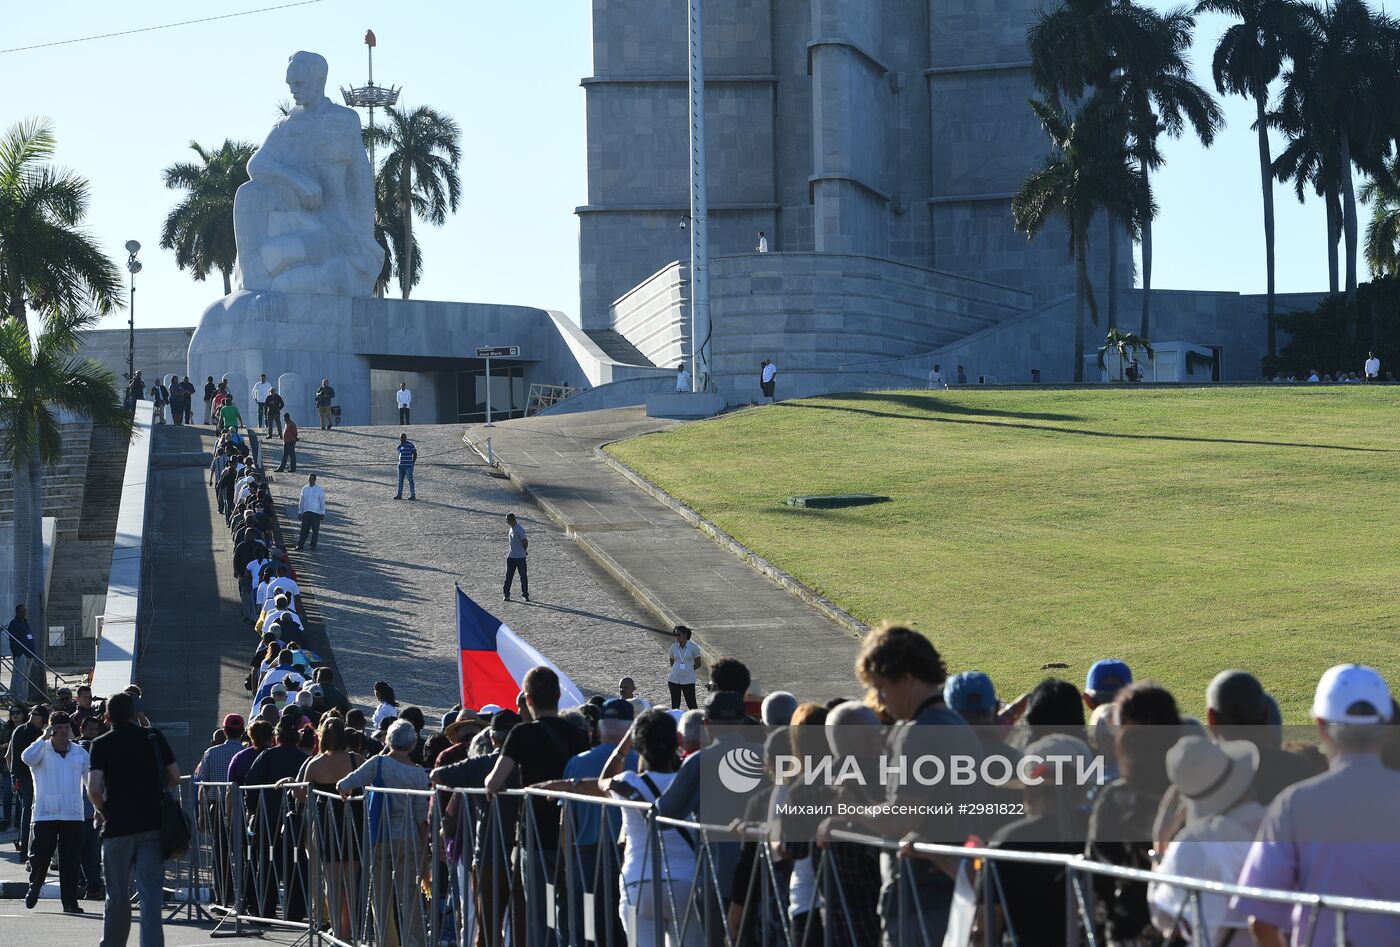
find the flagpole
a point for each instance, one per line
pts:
(457, 650)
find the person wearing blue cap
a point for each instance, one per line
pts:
(972, 697)
(1105, 679)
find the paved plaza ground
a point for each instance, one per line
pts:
(383, 574)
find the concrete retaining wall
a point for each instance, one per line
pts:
(118, 649)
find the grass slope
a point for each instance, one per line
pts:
(1185, 531)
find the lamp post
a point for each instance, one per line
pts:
(133, 267)
(699, 209)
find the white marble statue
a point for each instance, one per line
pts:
(304, 222)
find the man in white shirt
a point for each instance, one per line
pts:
(762, 243)
(682, 378)
(259, 392)
(405, 400)
(312, 510)
(60, 769)
(1373, 368)
(769, 380)
(935, 378)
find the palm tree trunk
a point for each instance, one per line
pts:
(1112, 271)
(1334, 232)
(20, 563)
(1146, 210)
(1266, 179)
(34, 599)
(228, 283)
(15, 305)
(1081, 292)
(406, 209)
(1349, 222)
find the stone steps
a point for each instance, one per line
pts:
(63, 484)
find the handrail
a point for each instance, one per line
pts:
(1076, 863)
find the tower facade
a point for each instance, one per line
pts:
(893, 129)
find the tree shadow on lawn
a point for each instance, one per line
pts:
(1084, 432)
(931, 403)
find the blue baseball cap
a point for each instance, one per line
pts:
(970, 691)
(1107, 677)
(617, 709)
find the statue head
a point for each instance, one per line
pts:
(306, 77)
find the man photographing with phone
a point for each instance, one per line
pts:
(59, 767)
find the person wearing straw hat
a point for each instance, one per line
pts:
(1214, 781)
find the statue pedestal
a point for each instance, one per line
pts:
(310, 336)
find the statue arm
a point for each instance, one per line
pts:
(264, 167)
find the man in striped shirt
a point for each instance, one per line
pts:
(408, 454)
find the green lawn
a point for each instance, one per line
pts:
(1185, 531)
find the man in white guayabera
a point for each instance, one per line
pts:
(304, 221)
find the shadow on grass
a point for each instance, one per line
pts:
(1082, 432)
(931, 403)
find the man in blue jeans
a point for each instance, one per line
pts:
(128, 801)
(408, 455)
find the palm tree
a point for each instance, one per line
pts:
(1159, 95)
(1311, 160)
(1125, 345)
(1091, 170)
(1138, 58)
(1079, 47)
(389, 231)
(1342, 93)
(200, 228)
(37, 377)
(1383, 232)
(420, 167)
(1250, 56)
(46, 260)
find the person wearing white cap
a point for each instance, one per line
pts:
(1214, 780)
(1337, 833)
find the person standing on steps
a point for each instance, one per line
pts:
(312, 510)
(325, 396)
(290, 433)
(273, 406)
(404, 397)
(515, 559)
(210, 389)
(260, 391)
(22, 652)
(408, 456)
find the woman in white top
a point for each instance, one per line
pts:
(653, 736)
(685, 661)
(388, 707)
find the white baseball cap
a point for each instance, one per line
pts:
(1346, 685)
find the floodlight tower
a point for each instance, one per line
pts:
(370, 95)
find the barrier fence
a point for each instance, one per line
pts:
(404, 868)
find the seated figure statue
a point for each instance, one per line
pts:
(304, 221)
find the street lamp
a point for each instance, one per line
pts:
(133, 266)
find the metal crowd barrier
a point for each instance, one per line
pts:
(410, 868)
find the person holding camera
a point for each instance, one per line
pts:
(59, 768)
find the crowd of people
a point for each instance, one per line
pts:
(1220, 797)
(1206, 788)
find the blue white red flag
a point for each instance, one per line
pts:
(492, 660)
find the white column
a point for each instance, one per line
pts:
(699, 208)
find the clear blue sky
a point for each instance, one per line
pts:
(125, 108)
